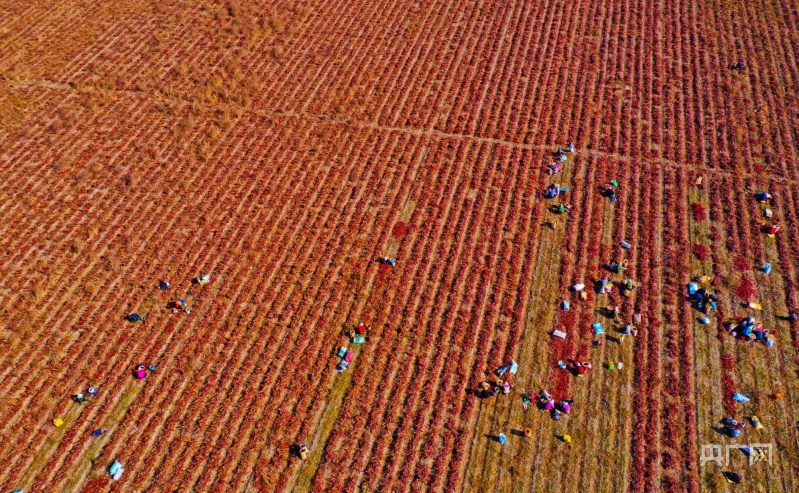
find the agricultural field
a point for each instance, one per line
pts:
(283, 147)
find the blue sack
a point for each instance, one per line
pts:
(740, 397)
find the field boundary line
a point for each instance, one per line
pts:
(432, 132)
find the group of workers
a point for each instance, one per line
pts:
(502, 384)
(733, 428)
(705, 301)
(140, 372)
(749, 330)
(179, 305)
(555, 167)
(546, 402)
(767, 227)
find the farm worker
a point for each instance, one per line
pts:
(561, 209)
(626, 331)
(562, 158)
(566, 406)
(202, 279)
(699, 181)
(793, 317)
(554, 168)
(556, 415)
(506, 388)
(92, 391)
(58, 422)
(611, 366)
(772, 229)
(100, 431)
(567, 439)
(615, 312)
(528, 432)
(140, 372)
(514, 367)
(580, 369)
(502, 439)
(550, 405)
(526, 400)
(135, 317)
(361, 328)
(561, 364)
(80, 398)
(501, 370)
(545, 395)
(181, 304)
(740, 65)
(732, 477)
(303, 451)
(571, 147)
(163, 285)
